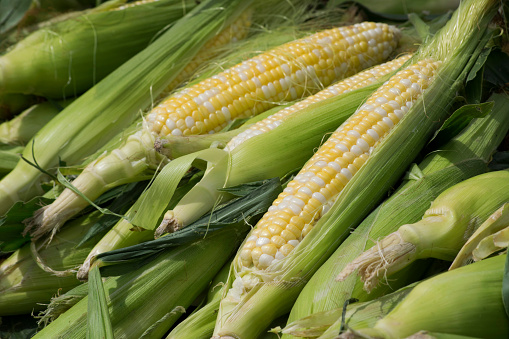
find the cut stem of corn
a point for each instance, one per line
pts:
(459, 293)
(453, 217)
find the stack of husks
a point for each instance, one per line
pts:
(266, 168)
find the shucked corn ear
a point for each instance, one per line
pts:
(465, 301)
(445, 227)
(69, 57)
(191, 207)
(359, 80)
(316, 187)
(284, 73)
(464, 156)
(257, 295)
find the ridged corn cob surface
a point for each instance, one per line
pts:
(286, 73)
(350, 84)
(311, 193)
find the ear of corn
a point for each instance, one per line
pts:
(464, 156)
(485, 239)
(71, 56)
(113, 103)
(23, 127)
(285, 73)
(258, 295)
(459, 293)
(194, 204)
(453, 217)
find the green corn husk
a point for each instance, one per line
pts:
(149, 300)
(469, 299)
(22, 128)
(397, 7)
(25, 286)
(464, 156)
(445, 227)
(69, 57)
(200, 324)
(257, 299)
(489, 238)
(327, 324)
(113, 103)
(9, 158)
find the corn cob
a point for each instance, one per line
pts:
(284, 73)
(349, 84)
(245, 309)
(464, 156)
(131, 87)
(446, 225)
(316, 187)
(69, 57)
(459, 293)
(189, 208)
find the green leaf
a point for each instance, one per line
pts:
(148, 209)
(98, 317)
(420, 26)
(457, 122)
(497, 68)
(11, 12)
(478, 64)
(243, 210)
(121, 198)
(11, 224)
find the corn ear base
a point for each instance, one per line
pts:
(465, 156)
(445, 227)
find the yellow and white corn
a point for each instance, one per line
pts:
(352, 83)
(306, 198)
(286, 73)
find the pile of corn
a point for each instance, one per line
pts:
(254, 169)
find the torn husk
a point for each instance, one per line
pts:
(487, 239)
(452, 218)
